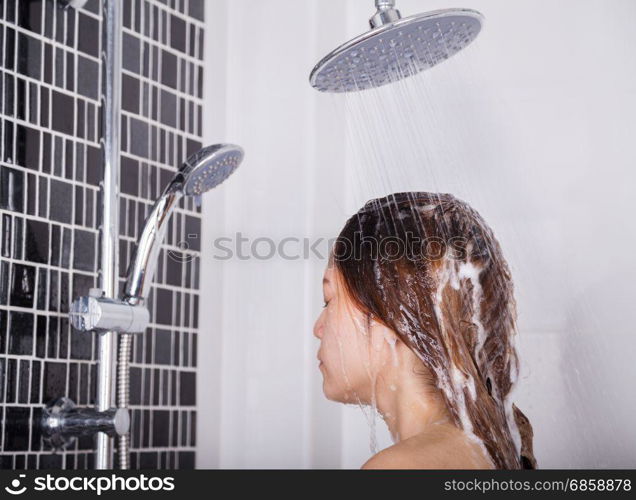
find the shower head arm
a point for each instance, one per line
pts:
(143, 265)
(384, 4)
(386, 13)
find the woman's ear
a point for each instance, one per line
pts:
(382, 335)
(390, 337)
(388, 334)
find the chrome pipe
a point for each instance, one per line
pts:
(202, 171)
(143, 265)
(109, 230)
(386, 13)
(384, 4)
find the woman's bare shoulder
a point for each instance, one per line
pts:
(428, 452)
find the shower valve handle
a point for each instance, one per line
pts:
(62, 422)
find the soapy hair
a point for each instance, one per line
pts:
(427, 266)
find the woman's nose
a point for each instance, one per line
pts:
(318, 327)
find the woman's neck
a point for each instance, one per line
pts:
(408, 410)
(407, 402)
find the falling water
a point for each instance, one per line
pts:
(397, 140)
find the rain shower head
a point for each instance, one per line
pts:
(395, 48)
(209, 167)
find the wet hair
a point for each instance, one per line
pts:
(427, 266)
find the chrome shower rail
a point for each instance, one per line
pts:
(109, 231)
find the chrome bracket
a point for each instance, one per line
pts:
(95, 312)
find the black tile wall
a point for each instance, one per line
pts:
(50, 173)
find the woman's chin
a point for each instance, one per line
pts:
(339, 395)
(333, 393)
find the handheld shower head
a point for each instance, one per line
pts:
(209, 167)
(202, 171)
(395, 48)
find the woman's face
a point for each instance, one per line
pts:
(352, 351)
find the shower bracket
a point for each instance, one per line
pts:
(95, 312)
(62, 422)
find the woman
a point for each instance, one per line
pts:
(419, 322)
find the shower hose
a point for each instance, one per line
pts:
(123, 395)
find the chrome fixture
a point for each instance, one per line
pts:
(101, 311)
(395, 48)
(386, 13)
(109, 230)
(75, 4)
(97, 313)
(201, 172)
(62, 422)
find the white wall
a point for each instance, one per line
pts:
(533, 125)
